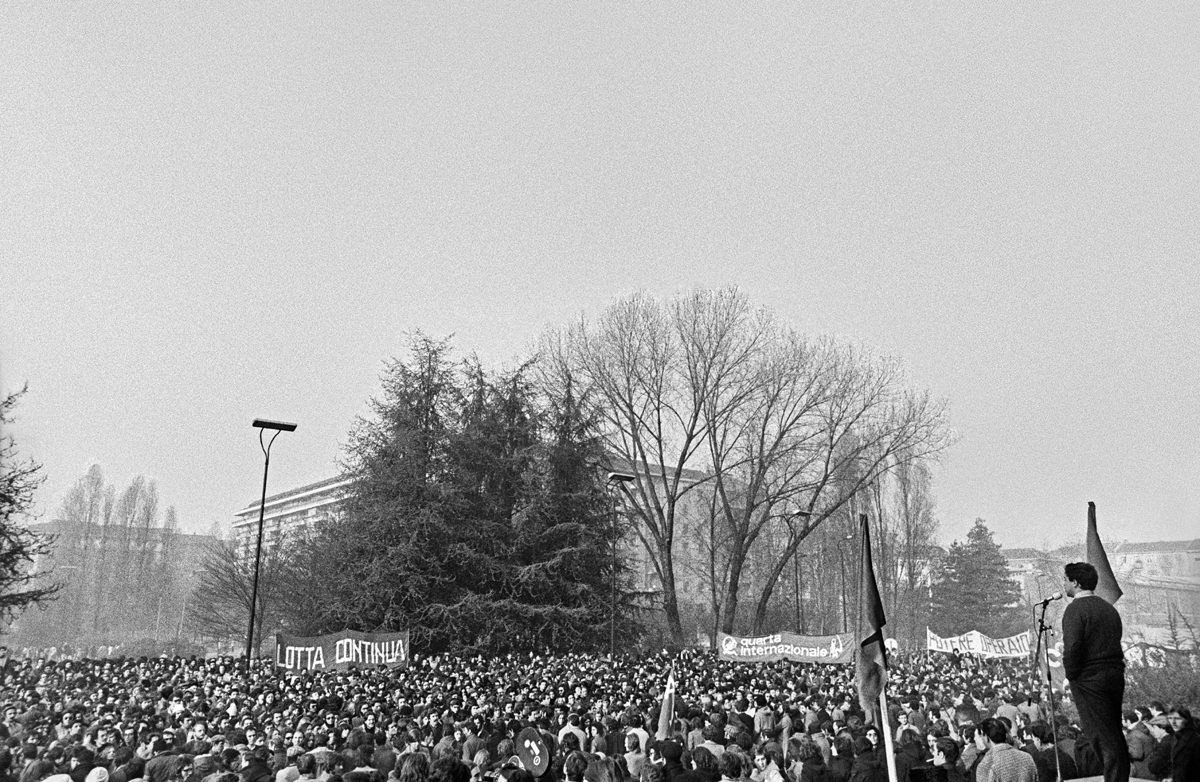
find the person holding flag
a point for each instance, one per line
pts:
(872, 655)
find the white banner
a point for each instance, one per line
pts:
(979, 644)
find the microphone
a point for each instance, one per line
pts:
(1051, 599)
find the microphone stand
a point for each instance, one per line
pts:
(1043, 648)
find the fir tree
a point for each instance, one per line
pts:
(975, 590)
(476, 518)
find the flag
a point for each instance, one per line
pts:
(872, 657)
(667, 711)
(1107, 588)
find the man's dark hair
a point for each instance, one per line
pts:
(731, 765)
(1041, 731)
(1082, 573)
(949, 749)
(306, 764)
(447, 769)
(994, 729)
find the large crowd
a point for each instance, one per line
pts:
(568, 718)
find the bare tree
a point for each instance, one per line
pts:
(710, 391)
(219, 608)
(819, 424)
(656, 367)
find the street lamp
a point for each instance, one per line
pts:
(842, 561)
(262, 425)
(619, 479)
(800, 514)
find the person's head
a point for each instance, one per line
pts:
(863, 746)
(308, 765)
(575, 766)
(844, 745)
(994, 730)
(731, 765)
(414, 768)
(945, 751)
(1180, 718)
(1041, 734)
(1080, 575)
(872, 734)
(703, 760)
(632, 743)
(809, 752)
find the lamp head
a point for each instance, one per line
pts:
(281, 426)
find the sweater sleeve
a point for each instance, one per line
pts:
(1073, 641)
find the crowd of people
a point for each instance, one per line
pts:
(568, 718)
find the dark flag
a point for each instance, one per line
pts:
(872, 657)
(1107, 587)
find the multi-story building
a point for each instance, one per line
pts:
(1160, 582)
(288, 512)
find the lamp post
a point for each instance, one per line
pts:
(800, 514)
(842, 561)
(619, 479)
(262, 425)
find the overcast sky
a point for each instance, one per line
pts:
(211, 212)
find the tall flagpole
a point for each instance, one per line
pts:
(887, 736)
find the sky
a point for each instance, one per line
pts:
(212, 212)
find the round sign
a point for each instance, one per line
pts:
(532, 752)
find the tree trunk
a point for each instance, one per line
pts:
(671, 603)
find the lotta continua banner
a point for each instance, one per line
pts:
(339, 651)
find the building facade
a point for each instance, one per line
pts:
(289, 512)
(1160, 582)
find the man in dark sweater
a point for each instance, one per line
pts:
(1095, 666)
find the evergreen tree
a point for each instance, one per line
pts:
(476, 518)
(975, 590)
(20, 586)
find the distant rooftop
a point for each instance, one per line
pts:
(328, 483)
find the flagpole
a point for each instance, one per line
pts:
(887, 736)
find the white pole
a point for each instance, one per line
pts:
(887, 736)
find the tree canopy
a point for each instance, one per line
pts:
(477, 516)
(20, 585)
(975, 590)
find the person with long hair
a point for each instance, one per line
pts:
(866, 766)
(809, 763)
(1185, 754)
(841, 758)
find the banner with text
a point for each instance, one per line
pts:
(786, 646)
(338, 651)
(979, 644)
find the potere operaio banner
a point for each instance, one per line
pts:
(978, 644)
(786, 646)
(339, 651)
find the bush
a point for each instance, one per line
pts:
(1177, 682)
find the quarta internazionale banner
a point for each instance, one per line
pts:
(786, 646)
(339, 651)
